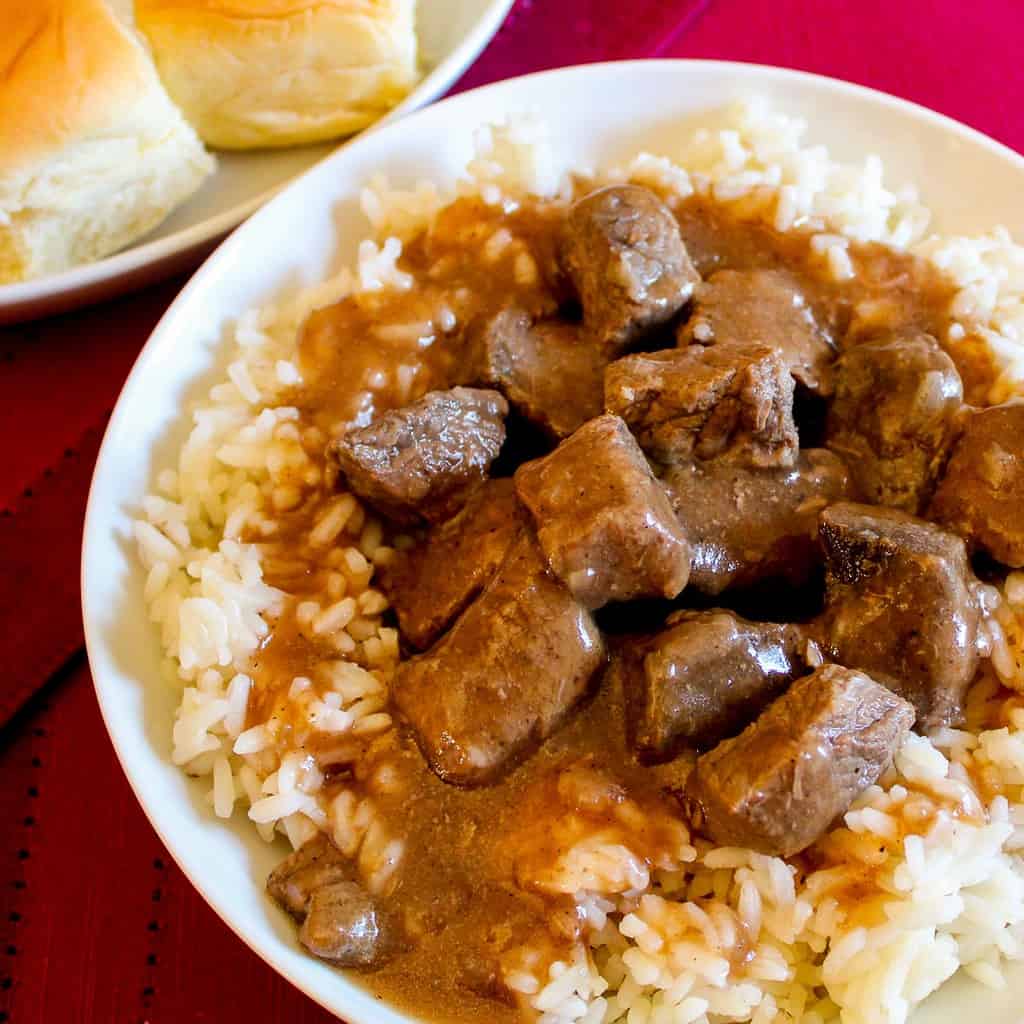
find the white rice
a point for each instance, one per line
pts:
(923, 877)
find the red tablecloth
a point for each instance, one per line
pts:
(96, 925)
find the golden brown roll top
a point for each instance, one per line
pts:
(252, 73)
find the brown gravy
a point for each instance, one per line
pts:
(466, 848)
(378, 350)
(890, 290)
(457, 884)
(355, 362)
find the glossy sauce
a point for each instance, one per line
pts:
(463, 887)
(890, 290)
(378, 350)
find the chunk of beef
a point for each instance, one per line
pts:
(312, 866)
(546, 370)
(505, 676)
(437, 580)
(622, 249)
(778, 786)
(345, 926)
(728, 400)
(894, 416)
(901, 605)
(768, 307)
(749, 525)
(704, 677)
(421, 462)
(604, 522)
(981, 495)
(341, 921)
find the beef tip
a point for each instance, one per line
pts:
(981, 494)
(345, 926)
(505, 676)
(781, 783)
(749, 525)
(603, 520)
(314, 864)
(421, 462)
(437, 580)
(894, 416)
(341, 922)
(901, 605)
(733, 400)
(622, 249)
(704, 677)
(768, 307)
(546, 370)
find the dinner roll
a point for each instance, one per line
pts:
(93, 153)
(250, 73)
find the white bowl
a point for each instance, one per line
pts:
(451, 35)
(597, 113)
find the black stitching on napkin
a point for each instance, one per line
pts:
(153, 928)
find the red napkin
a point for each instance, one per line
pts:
(40, 538)
(58, 383)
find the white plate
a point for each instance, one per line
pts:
(451, 34)
(597, 113)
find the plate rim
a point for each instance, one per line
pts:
(137, 258)
(225, 253)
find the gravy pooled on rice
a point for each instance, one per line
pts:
(634, 582)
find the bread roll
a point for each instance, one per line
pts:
(93, 153)
(250, 73)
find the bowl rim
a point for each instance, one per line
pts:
(226, 252)
(138, 257)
